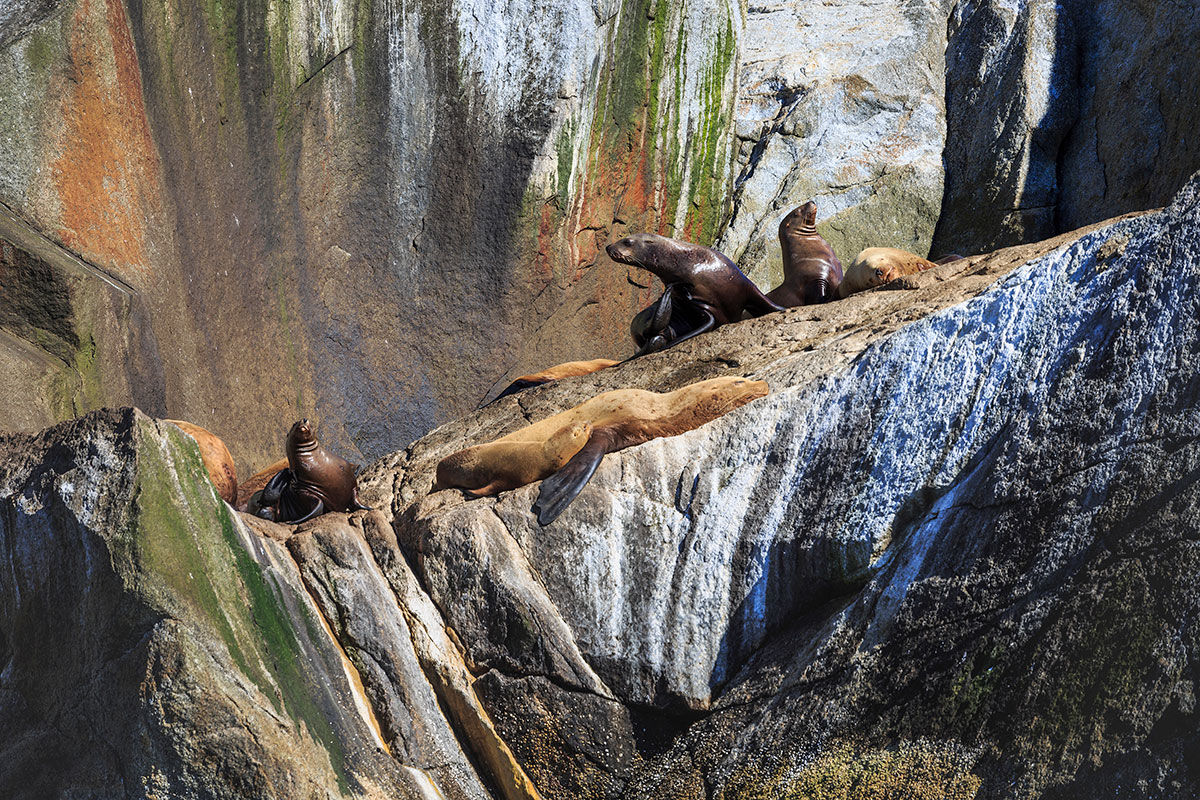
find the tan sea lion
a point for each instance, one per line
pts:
(811, 270)
(316, 481)
(604, 424)
(216, 458)
(709, 284)
(876, 266)
(568, 369)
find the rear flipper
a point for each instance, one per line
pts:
(516, 386)
(562, 487)
(296, 511)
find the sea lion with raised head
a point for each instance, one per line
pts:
(710, 286)
(811, 270)
(876, 266)
(315, 481)
(216, 458)
(569, 369)
(566, 448)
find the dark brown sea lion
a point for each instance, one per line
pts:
(216, 458)
(876, 266)
(568, 369)
(565, 449)
(314, 482)
(709, 284)
(811, 270)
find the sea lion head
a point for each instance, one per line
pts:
(640, 249)
(302, 436)
(802, 220)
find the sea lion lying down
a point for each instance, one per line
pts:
(876, 266)
(568, 369)
(565, 449)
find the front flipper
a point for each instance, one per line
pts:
(274, 488)
(708, 322)
(562, 487)
(356, 504)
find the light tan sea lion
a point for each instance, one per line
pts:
(604, 424)
(216, 458)
(567, 369)
(876, 266)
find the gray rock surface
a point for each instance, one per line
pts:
(154, 646)
(841, 103)
(1061, 114)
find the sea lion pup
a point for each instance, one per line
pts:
(876, 266)
(314, 482)
(565, 449)
(216, 458)
(811, 270)
(568, 369)
(716, 291)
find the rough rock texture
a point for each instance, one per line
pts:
(154, 646)
(951, 554)
(1062, 113)
(376, 214)
(858, 574)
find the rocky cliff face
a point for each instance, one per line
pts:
(375, 213)
(951, 554)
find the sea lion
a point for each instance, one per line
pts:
(255, 484)
(566, 448)
(568, 369)
(712, 287)
(811, 270)
(876, 266)
(314, 482)
(216, 458)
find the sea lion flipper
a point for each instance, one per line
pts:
(519, 385)
(274, 488)
(557, 491)
(317, 510)
(708, 322)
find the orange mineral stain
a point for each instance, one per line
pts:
(107, 173)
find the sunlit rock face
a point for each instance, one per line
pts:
(841, 103)
(950, 552)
